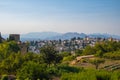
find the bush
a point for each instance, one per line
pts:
(68, 58)
(97, 62)
(53, 71)
(115, 75)
(83, 75)
(92, 75)
(33, 71)
(103, 75)
(4, 77)
(68, 69)
(112, 55)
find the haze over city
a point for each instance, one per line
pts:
(87, 16)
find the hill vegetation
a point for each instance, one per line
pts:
(51, 65)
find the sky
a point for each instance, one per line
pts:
(82, 16)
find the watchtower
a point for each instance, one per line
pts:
(14, 37)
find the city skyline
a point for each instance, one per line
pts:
(82, 16)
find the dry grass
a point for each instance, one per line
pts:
(89, 65)
(109, 62)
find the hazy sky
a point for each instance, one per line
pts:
(87, 16)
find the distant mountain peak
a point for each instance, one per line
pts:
(55, 36)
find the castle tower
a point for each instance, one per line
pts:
(14, 37)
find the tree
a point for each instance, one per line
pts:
(89, 50)
(65, 54)
(99, 53)
(11, 64)
(97, 62)
(78, 52)
(7, 48)
(58, 58)
(13, 46)
(49, 55)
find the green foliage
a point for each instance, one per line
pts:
(50, 55)
(8, 47)
(103, 75)
(68, 58)
(10, 64)
(103, 49)
(57, 59)
(31, 66)
(97, 62)
(4, 77)
(68, 69)
(89, 74)
(112, 55)
(14, 61)
(13, 47)
(83, 75)
(78, 52)
(65, 54)
(115, 75)
(99, 53)
(33, 71)
(89, 50)
(62, 68)
(53, 71)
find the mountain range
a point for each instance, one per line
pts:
(63, 36)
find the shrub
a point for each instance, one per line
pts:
(84, 75)
(33, 71)
(69, 69)
(97, 62)
(4, 77)
(112, 55)
(68, 58)
(103, 75)
(115, 75)
(89, 74)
